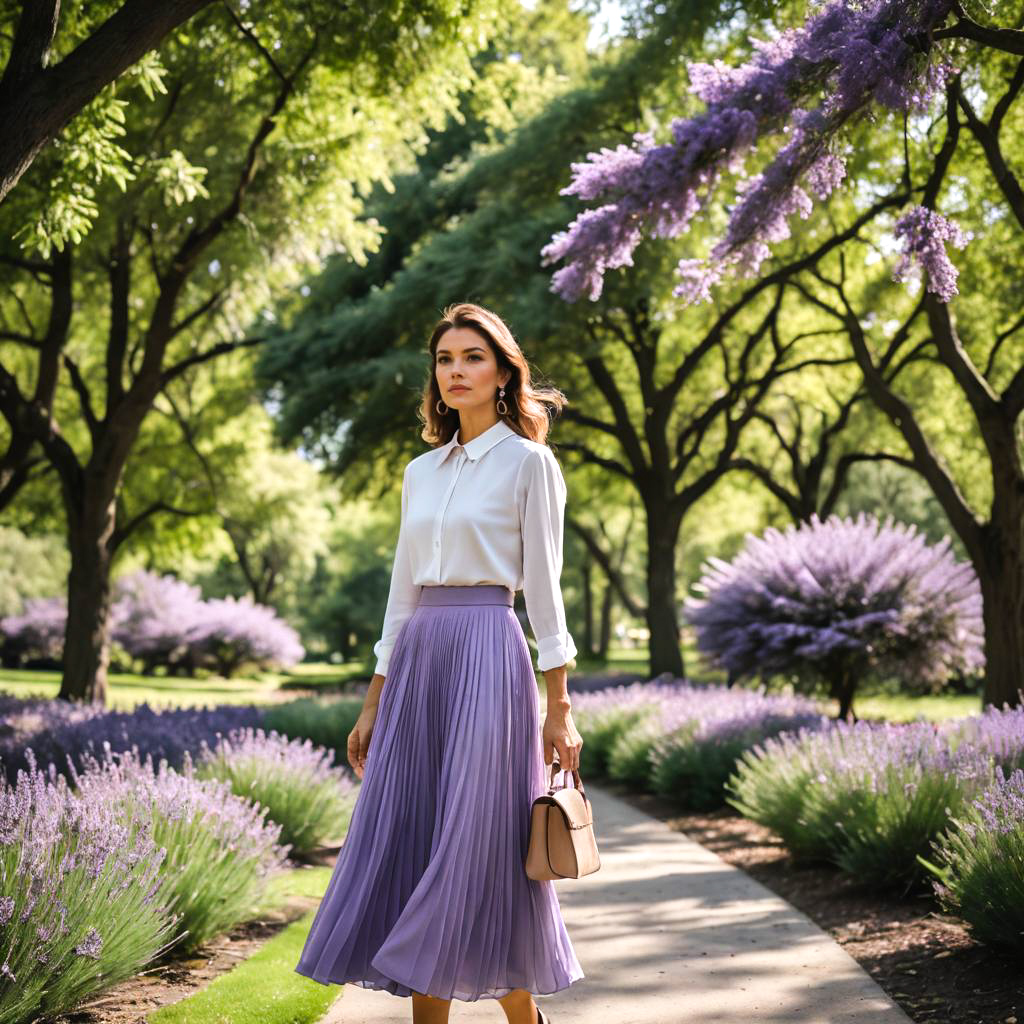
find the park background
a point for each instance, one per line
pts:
(782, 297)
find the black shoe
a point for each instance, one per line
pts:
(542, 1017)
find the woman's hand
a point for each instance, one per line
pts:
(359, 739)
(561, 735)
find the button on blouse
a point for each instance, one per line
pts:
(488, 511)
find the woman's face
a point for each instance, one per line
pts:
(467, 370)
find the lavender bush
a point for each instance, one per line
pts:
(220, 850)
(840, 600)
(679, 739)
(83, 895)
(698, 751)
(605, 715)
(869, 797)
(57, 729)
(981, 863)
(998, 733)
(295, 781)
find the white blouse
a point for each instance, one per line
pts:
(488, 511)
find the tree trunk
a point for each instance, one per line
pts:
(607, 606)
(1001, 576)
(666, 654)
(86, 645)
(842, 679)
(587, 579)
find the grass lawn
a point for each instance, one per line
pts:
(264, 989)
(905, 708)
(126, 690)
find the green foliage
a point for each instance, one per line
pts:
(602, 729)
(326, 721)
(693, 773)
(629, 755)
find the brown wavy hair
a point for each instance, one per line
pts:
(530, 408)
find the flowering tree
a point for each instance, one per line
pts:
(839, 600)
(810, 83)
(916, 68)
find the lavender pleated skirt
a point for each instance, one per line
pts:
(429, 893)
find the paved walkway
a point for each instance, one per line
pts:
(668, 933)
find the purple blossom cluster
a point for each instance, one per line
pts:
(163, 621)
(923, 235)
(1001, 807)
(837, 599)
(850, 54)
(60, 730)
(998, 733)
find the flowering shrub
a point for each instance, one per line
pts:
(694, 758)
(235, 631)
(57, 729)
(163, 621)
(296, 782)
(83, 895)
(870, 797)
(838, 600)
(37, 634)
(981, 863)
(678, 739)
(220, 851)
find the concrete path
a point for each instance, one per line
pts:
(668, 933)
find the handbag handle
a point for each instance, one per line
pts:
(555, 768)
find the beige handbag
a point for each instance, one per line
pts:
(562, 842)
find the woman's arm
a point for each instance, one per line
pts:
(403, 594)
(542, 511)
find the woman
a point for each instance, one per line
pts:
(429, 897)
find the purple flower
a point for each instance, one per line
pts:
(924, 234)
(811, 82)
(91, 946)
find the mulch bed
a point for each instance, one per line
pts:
(921, 957)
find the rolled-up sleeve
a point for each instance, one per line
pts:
(403, 595)
(541, 493)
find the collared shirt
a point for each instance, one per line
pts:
(488, 511)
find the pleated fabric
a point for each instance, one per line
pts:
(429, 893)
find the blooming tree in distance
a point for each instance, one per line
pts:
(839, 600)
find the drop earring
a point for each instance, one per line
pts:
(501, 402)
